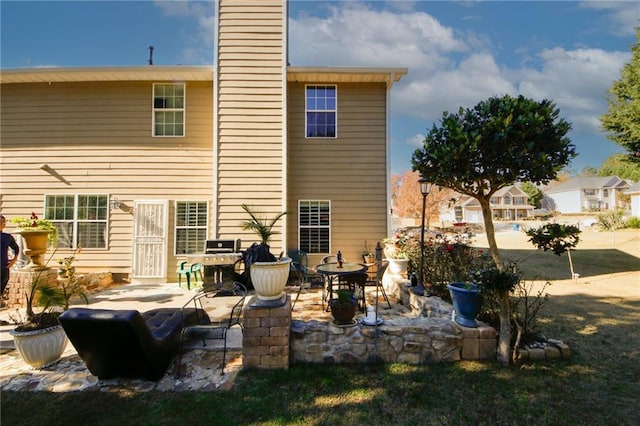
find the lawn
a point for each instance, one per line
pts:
(598, 317)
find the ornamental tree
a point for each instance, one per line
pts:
(622, 119)
(498, 142)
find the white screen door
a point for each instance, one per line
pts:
(150, 231)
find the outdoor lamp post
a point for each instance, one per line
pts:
(425, 188)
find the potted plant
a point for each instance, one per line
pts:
(40, 340)
(267, 273)
(396, 254)
(343, 308)
(367, 256)
(37, 234)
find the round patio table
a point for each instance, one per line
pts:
(331, 271)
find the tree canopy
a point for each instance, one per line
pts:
(498, 142)
(620, 165)
(494, 144)
(622, 119)
(534, 193)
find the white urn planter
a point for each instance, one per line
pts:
(270, 278)
(398, 266)
(39, 348)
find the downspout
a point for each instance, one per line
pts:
(390, 81)
(285, 148)
(215, 149)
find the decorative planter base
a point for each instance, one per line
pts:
(40, 348)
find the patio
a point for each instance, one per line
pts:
(200, 368)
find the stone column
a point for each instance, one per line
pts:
(20, 282)
(265, 339)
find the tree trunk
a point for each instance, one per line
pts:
(504, 337)
(490, 232)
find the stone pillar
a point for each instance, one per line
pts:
(20, 282)
(265, 338)
(479, 343)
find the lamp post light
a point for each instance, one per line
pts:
(425, 188)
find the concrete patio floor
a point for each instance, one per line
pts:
(201, 366)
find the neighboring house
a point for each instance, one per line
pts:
(141, 165)
(508, 203)
(634, 193)
(586, 194)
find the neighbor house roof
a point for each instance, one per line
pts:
(633, 189)
(584, 182)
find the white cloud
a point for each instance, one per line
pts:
(416, 140)
(201, 41)
(576, 80)
(624, 16)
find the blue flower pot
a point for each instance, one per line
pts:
(466, 303)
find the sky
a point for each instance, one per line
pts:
(458, 53)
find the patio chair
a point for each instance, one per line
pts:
(215, 329)
(189, 271)
(300, 270)
(377, 282)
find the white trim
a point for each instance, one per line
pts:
(175, 226)
(183, 110)
(285, 129)
(214, 152)
(306, 110)
(330, 227)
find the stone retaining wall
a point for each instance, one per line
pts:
(20, 282)
(426, 334)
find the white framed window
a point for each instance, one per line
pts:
(81, 219)
(321, 105)
(191, 226)
(589, 191)
(314, 226)
(168, 109)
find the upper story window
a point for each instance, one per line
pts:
(519, 201)
(314, 228)
(506, 200)
(605, 192)
(321, 111)
(80, 219)
(191, 226)
(589, 191)
(168, 109)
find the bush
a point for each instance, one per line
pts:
(611, 220)
(633, 222)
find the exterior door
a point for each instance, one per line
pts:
(150, 231)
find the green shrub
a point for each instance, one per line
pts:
(611, 220)
(633, 222)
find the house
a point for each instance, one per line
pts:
(586, 194)
(634, 194)
(141, 165)
(508, 203)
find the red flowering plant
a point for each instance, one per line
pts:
(445, 262)
(33, 223)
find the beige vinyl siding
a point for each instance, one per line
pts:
(348, 170)
(250, 101)
(97, 139)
